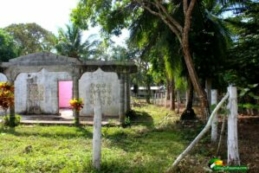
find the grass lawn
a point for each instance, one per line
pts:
(149, 145)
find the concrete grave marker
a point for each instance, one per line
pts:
(107, 84)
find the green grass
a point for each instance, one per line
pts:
(149, 145)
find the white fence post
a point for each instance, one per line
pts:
(203, 132)
(233, 153)
(214, 125)
(97, 135)
(155, 98)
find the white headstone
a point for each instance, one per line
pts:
(108, 85)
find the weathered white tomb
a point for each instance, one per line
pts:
(36, 78)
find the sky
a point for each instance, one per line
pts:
(49, 14)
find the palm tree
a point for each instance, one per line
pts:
(152, 42)
(70, 43)
(152, 37)
(211, 39)
(176, 14)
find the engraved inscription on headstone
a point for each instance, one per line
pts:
(105, 93)
(36, 92)
(41, 92)
(107, 84)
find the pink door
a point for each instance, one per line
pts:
(65, 93)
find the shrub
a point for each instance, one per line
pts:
(7, 121)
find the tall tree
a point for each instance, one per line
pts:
(8, 49)
(162, 9)
(31, 38)
(243, 62)
(70, 43)
(243, 56)
(150, 39)
(115, 15)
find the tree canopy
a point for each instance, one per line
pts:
(167, 33)
(31, 38)
(243, 58)
(70, 43)
(8, 49)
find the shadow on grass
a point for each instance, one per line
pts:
(140, 118)
(147, 149)
(156, 147)
(163, 138)
(66, 132)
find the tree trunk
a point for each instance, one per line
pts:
(189, 97)
(168, 89)
(172, 95)
(12, 115)
(12, 109)
(76, 96)
(182, 33)
(188, 59)
(188, 113)
(178, 101)
(194, 78)
(148, 93)
(233, 154)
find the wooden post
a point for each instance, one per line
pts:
(214, 125)
(233, 153)
(97, 135)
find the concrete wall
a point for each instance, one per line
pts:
(107, 83)
(37, 93)
(2, 78)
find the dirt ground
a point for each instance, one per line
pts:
(248, 135)
(248, 138)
